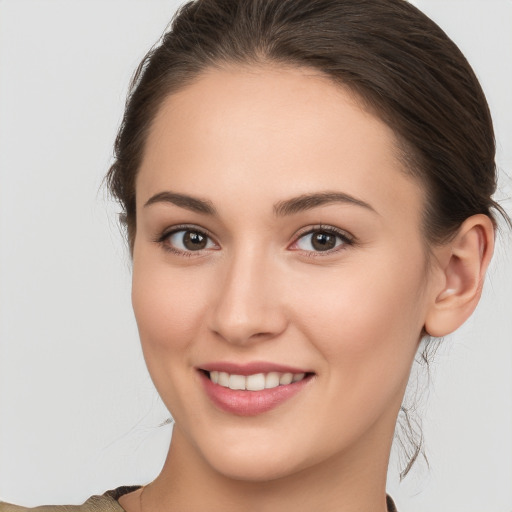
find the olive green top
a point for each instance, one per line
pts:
(107, 502)
(104, 503)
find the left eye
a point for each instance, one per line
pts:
(320, 241)
(187, 240)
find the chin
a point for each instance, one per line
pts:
(256, 461)
(250, 470)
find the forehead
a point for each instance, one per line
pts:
(281, 132)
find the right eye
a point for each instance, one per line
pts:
(187, 240)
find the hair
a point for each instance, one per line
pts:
(397, 61)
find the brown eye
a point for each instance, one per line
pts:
(321, 240)
(187, 240)
(194, 241)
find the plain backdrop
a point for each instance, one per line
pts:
(78, 412)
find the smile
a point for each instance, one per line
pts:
(252, 389)
(255, 382)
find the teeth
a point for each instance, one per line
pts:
(286, 378)
(237, 382)
(255, 382)
(223, 379)
(272, 380)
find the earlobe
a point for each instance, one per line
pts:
(463, 262)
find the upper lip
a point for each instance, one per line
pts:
(249, 368)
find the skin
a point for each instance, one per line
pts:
(246, 140)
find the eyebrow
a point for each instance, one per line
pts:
(281, 209)
(184, 201)
(310, 201)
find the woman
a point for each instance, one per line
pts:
(307, 189)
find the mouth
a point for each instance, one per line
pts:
(244, 393)
(254, 382)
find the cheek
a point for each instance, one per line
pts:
(167, 306)
(367, 317)
(365, 324)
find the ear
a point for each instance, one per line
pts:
(462, 265)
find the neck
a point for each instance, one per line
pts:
(350, 482)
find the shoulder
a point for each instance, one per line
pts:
(93, 504)
(104, 503)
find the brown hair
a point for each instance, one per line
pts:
(399, 62)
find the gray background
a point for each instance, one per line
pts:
(78, 412)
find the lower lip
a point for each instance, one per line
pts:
(250, 403)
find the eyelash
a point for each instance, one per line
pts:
(164, 237)
(346, 239)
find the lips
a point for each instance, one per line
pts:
(251, 368)
(251, 389)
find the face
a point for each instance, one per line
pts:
(277, 234)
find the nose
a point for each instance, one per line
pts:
(248, 305)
